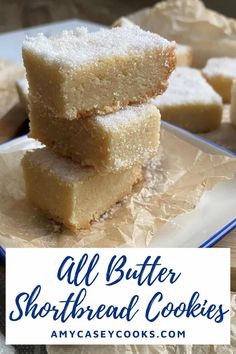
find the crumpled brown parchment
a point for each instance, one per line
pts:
(173, 183)
(209, 33)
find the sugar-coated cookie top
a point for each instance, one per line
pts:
(129, 115)
(78, 46)
(63, 168)
(67, 170)
(223, 66)
(187, 86)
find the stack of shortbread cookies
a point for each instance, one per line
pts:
(88, 103)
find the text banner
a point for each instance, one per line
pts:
(117, 296)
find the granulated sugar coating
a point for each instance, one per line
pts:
(130, 115)
(220, 73)
(66, 169)
(109, 143)
(188, 86)
(77, 74)
(221, 66)
(183, 52)
(190, 102)
(76, 47)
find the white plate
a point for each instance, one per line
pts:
(212, 219)
(215, 214)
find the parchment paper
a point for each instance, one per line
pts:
(174, 181)
(158, 349)
(209, 33)
(225, 135)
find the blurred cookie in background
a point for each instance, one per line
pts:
(22, 88)
(12, 114)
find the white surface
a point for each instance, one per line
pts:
(142, 273)
(215, 210)
(198, 141)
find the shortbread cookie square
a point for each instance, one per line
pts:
(112, 142)
(184, 55)
(220, 73)
(233, 104)
(190, 102)
(69, 193)
(79, 74)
